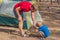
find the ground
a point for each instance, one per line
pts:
(10, 33)
(51, 18)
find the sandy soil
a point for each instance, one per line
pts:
(9, 33)
(53, 23)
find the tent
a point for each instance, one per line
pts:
(7, 16)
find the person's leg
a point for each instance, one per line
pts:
(39, 33)
(36, 32)
(20, 22)
(20, 25)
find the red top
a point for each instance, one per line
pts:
(24, 6)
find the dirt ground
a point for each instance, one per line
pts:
(9, 33)
(53, 23)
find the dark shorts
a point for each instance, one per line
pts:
(21, 13)
(23, 17)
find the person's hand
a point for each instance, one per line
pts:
(19, 18)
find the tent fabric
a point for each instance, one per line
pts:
(7, 16)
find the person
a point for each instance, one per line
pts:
(40, 29)
(20, 7)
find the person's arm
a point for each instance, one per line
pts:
(32, 15)
(17, 11)
(35, 27)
